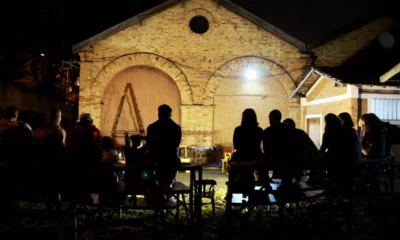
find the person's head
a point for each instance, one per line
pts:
(107, 143)
(11, 113)
(249, 118)
(54, 116)
(136, 140)
(370, 123)
(332, 123)
(164, 111)
(290, 122)
(275, 117)
(86, 119)
(346, 120)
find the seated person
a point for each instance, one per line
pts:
(107, 179)
(306, 150)
(137, 178)
(278, 145)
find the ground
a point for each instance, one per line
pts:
(315, 222)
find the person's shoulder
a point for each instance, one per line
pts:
(267, 129)
(62, 131)
(300, 131)
(238, 128)
(175, 124)
(152, 125)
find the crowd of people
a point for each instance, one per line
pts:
(76, 161)
(287, 151)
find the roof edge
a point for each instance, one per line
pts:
(124, 25)
(262, 24)
(389, 74)
(347, 29)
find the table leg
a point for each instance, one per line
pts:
(192, 182)
(199, 199)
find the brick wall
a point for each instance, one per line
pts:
(200, 65)
(326, 88)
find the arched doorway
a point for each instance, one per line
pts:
(246, 82)
(131, 99)
(233, 96)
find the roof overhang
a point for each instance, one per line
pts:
(310, 79)
(389, 74)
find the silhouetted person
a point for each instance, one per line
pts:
(305, 150)
(393, 137)
(373, 143)
(247, 143)
(333, 148)
(50, 146)
(353, 150)
(137, 177)
(135, 154)
(163, 139)
(84, 156)
(278, 148)
(15, 148)
(107, 182)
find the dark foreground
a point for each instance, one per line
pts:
(32, 221)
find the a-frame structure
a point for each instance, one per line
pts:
(134, 113)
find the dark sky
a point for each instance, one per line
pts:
(62, 23)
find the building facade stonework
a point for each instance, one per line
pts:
(207, 68)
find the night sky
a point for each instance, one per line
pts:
(61, 23)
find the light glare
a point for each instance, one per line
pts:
(251, 74)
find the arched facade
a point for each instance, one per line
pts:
(246, 82)
(107, 73)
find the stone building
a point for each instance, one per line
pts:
(209, 60)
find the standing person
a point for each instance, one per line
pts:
(278, 147)
(84, 156)
(50, 144)
(247, 143)
(163, 140)
(15, 147)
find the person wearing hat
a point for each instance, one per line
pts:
(84, 154)
(84, 124)
(86, 121)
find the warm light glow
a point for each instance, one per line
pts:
(251, 74)
(42, 54)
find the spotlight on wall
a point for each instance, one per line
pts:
(250, 74)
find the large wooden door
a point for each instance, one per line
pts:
(314, 130)
(131, 100)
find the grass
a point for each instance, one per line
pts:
(34, 221)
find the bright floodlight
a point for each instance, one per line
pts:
(250, 74)
(42, 54)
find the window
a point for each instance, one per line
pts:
(386, 109)
(199, 24)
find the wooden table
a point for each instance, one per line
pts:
(195, 200)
